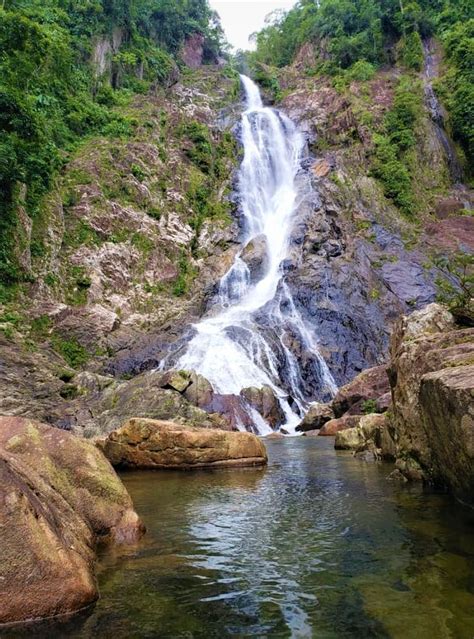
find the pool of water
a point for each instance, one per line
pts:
(317, 545)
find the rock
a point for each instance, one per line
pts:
(447, 410)
(367, 453)
(275, 436)
(255, 256)
(321, 168)
(368, 386)
(311, 433)
(383, 403)
(144, 443)
(176, 380)
(366, 437)
(264, 401)
(143, 396)
(431, 374)
(193, 51)
(199, 392)
(348, 439)
(316, 417)
(59, 496)
(369, 425)
(334, 426)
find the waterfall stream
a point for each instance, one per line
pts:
(246, 339)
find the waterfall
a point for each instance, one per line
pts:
(249, 336)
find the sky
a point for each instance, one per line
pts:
(241, 18)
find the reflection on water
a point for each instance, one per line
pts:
(318, 545)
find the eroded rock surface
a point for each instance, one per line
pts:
(144, 443)
(59, 496)
(432, 379)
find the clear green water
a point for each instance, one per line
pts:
(318, 545)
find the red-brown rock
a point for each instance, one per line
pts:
(331, 428)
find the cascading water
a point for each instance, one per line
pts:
(245, 342)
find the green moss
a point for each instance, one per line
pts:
(71, 350)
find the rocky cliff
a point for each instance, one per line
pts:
(143, 222)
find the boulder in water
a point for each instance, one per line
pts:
(316, 417)
(152, 444)
(336, 425)
(58, 497)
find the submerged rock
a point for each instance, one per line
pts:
(59, 496)
(146, 443)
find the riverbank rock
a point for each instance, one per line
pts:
(316, 417)
(432, 379)
(336, 425)
(369, 386)
(370, 440)
(145, 443)
(59, 497)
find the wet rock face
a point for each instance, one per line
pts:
(58, 497)
(263, 400)
(431, 374)
(151, 444)
(255, 255)
(350, 278)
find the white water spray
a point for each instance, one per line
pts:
(246, 343)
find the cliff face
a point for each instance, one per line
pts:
(359, 261)
(134, 235)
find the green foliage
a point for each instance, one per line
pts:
(390, 163)
(51, 97)
(181, 284)
(200, 150)
(457, 87)
(70, 349)
(411, 50)
(456, 283)
(361, 71)
(369, 406)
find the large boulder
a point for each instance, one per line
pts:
(59, 496)
(316, 417)
(334, 426)
(146, 443)
(369, 386)
(370, 436)
(431, 373)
